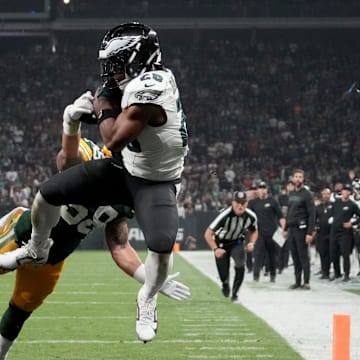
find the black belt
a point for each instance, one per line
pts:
(229, 242)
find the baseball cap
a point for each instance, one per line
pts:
(347, 187)
(262, 184)
(240, 197)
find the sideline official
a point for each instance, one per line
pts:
(226, 237)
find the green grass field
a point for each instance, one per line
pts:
(355, 291)
(91, 315)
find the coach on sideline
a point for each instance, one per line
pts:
(300, 223)
(270, 217)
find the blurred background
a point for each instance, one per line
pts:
(262, 84)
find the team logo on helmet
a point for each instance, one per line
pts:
(117, 45)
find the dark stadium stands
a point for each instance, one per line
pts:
(259, 103)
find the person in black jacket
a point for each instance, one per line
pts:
(356, 228)
(250, 194)
(300, 224)
(269, 215)
(323, 212)
(284, 252)
(346, 213)
(226, 237)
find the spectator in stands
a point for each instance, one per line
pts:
(276, 107)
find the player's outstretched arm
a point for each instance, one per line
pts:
(127, 259)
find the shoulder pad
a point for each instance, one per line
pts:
(147, 88)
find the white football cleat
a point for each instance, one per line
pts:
(25, 255)
(146, 321)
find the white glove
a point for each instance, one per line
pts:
(174, 289)
(72, 113)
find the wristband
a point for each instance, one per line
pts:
(216, 248)
(105, 114)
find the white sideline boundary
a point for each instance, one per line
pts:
(304, 318)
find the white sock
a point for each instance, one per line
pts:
(5, 346)
(139, 274)
(43, 217)
(171, 263)
(156, 272)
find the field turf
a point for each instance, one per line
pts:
(91, 315)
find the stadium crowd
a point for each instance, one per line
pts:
(209, 8)
(258, 105)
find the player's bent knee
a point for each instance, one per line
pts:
(161, 242)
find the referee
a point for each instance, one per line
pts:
(225, 236)
(300, 224)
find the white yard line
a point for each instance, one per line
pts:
(82, 302)
(303, 318)
(92, 341)
(79, 317)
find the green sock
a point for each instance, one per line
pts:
(12, 321)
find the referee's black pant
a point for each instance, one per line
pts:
(237, 253)
(300, 254)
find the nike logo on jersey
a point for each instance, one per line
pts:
(149, 85)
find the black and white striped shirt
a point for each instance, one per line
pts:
(228, 226)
